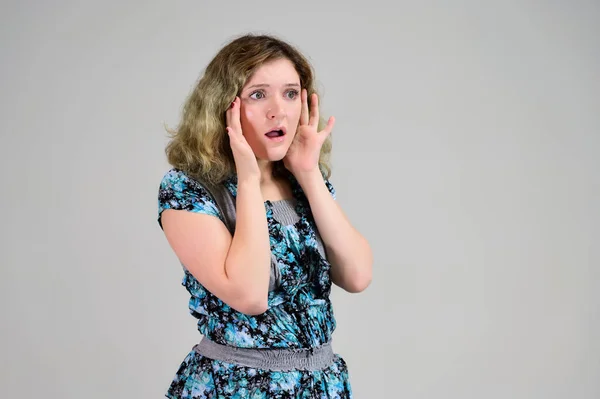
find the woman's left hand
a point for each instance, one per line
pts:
(303, 155)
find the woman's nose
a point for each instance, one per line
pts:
(275, 110)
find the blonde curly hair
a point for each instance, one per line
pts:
(200, 145)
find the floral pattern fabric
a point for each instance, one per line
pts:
(299, 313)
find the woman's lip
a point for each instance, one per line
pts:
(276, 128)
(276, 138)
(280, 133)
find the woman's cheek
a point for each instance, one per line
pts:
(247, 119)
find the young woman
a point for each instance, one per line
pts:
(261, 295)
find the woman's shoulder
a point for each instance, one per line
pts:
(176, 176)
(179, 190)
(330, 187)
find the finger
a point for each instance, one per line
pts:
(314, 110)
(304, 112)
(328, 128)
(235, 115)
(232, 134)
(235, 138)
(228, 115)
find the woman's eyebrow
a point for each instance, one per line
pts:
(263, 85)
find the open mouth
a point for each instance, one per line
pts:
(275, 133)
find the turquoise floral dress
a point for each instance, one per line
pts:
(299, 313)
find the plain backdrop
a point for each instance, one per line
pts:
(466, 148)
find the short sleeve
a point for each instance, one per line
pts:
(330, 188)
(178, 191)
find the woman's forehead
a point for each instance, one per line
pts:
(275, 73)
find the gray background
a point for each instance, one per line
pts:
(466, 147)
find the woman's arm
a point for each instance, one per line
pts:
(348, 251)
(248, 262)
(235, 269)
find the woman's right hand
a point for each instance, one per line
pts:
(245, 160)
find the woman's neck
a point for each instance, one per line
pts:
(266, 172)
(273, 187)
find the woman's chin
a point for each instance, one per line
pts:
(273, 155)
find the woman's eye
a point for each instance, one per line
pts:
(257, 95)
(292, 94)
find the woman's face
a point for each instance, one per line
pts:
(270, 109)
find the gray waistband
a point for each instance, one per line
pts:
(269, 359)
